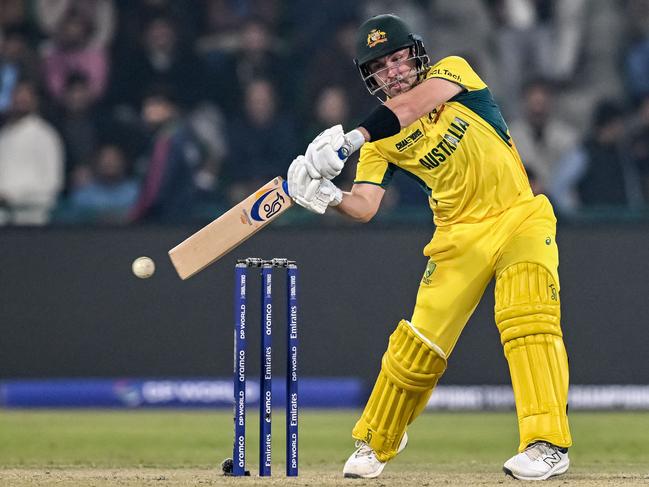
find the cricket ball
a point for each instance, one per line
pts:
(143, 267)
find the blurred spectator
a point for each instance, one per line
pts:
(77, 119)
(636, 55)
(337, 54)
(600, 172)
(163, 58)
(311, 28)
(257, 54)
(592, 66)
(524, 38)
(31, 161)
(135, 15)
(208, 123)
(331, 107)
(263, 142)
(450, 37)
(272, 12)
(108, 194)
(640, 143)
(168, 191)
(17, 60)
(540, 136)
(13, 12)
(210, 53)
(557, 40)
(637, 69)
(99, 13)
(71, 51)
(568, 38)
(220, 27)
(636, 61)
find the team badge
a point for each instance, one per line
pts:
(375, 37)
(430, 268)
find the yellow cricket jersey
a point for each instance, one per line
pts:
(461, 154)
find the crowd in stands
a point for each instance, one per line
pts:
(127, 111)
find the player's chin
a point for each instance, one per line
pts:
(399, 89)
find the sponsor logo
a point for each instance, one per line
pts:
(409, 141)
(375, 37)
(368, 437)
(293, 451)
(189, 392)
(430, 268)
(445, 72)
(553, 459)
(128, 394)
(268, 203)
(553, 290)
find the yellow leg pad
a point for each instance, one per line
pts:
(410, 370)
(528, 317)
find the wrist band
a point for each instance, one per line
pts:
(381, 123)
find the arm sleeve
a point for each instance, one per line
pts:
(372, 167)
(458, 71)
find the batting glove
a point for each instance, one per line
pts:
(322, 156)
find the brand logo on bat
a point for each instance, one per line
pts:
(266, 205)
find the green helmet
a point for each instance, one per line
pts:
(382, 35)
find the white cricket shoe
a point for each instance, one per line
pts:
(363, 462)
(539, 461)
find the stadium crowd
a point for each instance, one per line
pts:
(127, 111)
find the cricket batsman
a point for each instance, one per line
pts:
(440, 124)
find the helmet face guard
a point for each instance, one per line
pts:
(378, 87)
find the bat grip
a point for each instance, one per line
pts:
(352, 142)
(285, 187)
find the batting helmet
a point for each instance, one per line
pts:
(382, 35)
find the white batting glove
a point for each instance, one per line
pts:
(298, 177)
(319, 195)
(322, 156)
(313, 194)
(328, 192)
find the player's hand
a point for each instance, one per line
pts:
(327, 192)
(322, 158)
(315, 195)
(319, 195)
(295, 178)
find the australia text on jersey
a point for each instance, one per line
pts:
(447, 145)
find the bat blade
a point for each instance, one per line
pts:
(231, 229)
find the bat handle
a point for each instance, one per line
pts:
(285, 187)
(352, 142)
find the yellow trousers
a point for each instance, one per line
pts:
(467, 256)
(463, 260)
(517, 247)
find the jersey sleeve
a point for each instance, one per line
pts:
(457, 70)
(372, 167)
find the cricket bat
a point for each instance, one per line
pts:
(231, 229)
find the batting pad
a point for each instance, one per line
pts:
(528, 318)
(410, 370)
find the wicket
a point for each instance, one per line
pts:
(265, 382)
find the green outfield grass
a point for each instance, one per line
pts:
(451, 444)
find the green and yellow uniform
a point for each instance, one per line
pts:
(489, 224)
